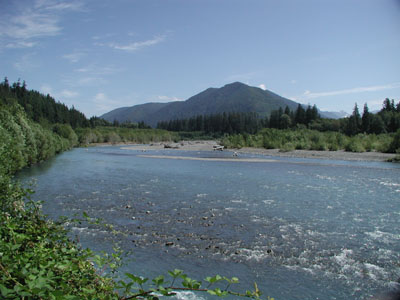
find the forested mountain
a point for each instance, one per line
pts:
(235, 97)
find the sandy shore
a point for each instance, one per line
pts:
(208, 146)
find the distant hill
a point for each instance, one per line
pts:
(234, 97)
(134, 114)
(334, 114)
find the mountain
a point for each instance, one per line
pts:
(135, 113)
(334, 114)
(234, 97)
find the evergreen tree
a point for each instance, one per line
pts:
(300, 115)
(354, 122)
(311, 114)
(285, 122)
(366, 119)
(377, 125)
(287, 110)
(274, 119)
(388, 105)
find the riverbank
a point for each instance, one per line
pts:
(334, 155)
(209, 146)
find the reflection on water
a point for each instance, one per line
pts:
(303, 229)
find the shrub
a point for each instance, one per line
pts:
(287, 147)
(394, 146)
(354, 146)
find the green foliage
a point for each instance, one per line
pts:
(114, 135)
(38, 261)
(386, 120)
(394, 146)
(137, 287)
(65, 131)
(24, 142)
(224, 123)
(41, 108)
(306, 139)
(354, 146)
(241, 122)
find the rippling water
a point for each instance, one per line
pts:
(301, 228)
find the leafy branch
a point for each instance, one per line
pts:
(159, 286)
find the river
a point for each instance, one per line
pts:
(300, 228)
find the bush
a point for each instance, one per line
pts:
(394, 146)
(66, 131)
(354, 146)
(287, 147)
(38, 261)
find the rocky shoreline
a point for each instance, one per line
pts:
(334, 155)
(210, 144)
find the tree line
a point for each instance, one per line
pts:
(387, 120)
(243, 122)
(42, 108)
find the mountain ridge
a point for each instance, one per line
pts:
(232, 97)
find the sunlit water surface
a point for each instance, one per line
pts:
(300, 228)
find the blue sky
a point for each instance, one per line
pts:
(102, 54)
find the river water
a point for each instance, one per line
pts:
(300, 228)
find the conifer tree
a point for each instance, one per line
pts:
(366, 119)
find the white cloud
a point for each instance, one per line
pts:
(87, 80)
(374, 88)
(20, 44)
(64, 94)
(57, 5)
(103, 37)
(91, 75)
(25, 63)
(68, 94)
(23, 27)
(293, 81)
(168, 99)
(100, 97)
(138, 45)
(90, 81)
(262, 86)
(46, 89)
(98, 70)
(103, 104)
(32, 25)
(74, 57)
(82, 70)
